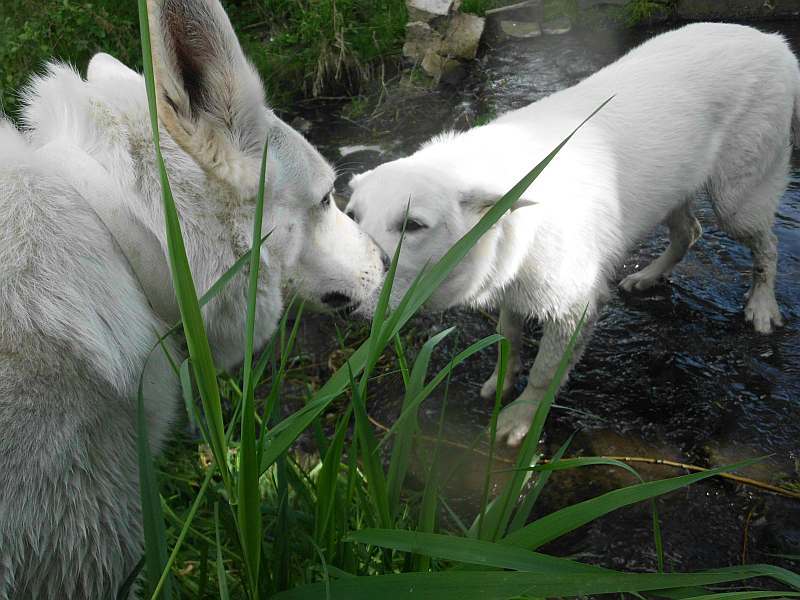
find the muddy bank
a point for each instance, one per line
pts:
(674, 374)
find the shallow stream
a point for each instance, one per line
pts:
(672, 374)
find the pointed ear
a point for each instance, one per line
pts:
(105, 67)
(480, 201)
(210, 99)
(353, 183)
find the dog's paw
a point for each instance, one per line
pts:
(762, 311)
(514, 422)
(640, 281)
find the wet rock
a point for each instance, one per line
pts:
(520, 29)
(437, 66)
(557, 26)
(463, 36)
(301, 124)
(421, 38)
(427, 10)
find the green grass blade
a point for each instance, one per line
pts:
(155, 535)
(426, 391)
(371, 461)
(327, 488)
(499, 512)
(187, 393)
(403, 442)
(185, 291)
(557, 465)
(568, 519)
(249, 494)
(222, 576)
(471, 551)
(499, 585)
(584, 461)
(746, 595)
(525, 509)
(504, 348)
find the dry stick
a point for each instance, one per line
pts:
(626, 459)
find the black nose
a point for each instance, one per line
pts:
(387, 262)
(337, 300)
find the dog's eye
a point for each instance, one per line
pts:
(326, 200)
(350, 214)
(414, 225)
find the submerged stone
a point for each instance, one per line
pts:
(557, 26)
(520, 29)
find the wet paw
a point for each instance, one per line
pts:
(640, 281)
(514, 422)
(763, 312)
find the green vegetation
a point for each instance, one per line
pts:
(35, 31)
(301, 47)
(252, 521)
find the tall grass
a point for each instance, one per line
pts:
(347, 527)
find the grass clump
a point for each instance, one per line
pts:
(300, 47)
(319, 47)
(35, 31)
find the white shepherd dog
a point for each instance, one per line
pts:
(707, 106)
(85, 286)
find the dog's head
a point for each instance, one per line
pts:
(437, 213)
(211, 101)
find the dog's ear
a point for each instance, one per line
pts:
(481, 201)
(210, 98)
(355, 178)
(105, 67)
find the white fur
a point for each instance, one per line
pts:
(707, 106)
(85, 286)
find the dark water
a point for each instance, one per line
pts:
(674, 374)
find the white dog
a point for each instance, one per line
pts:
(85, 286)
(707, 106)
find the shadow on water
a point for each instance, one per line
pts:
(673, 374)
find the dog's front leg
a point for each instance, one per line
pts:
(515, 420)
(510, 325)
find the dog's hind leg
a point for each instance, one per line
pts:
(684, 231)
(747, 213)
(510, 325)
